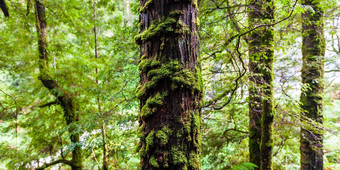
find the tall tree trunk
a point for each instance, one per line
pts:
(313, 51)
(170, 85)
(261, 55)
(64, 100)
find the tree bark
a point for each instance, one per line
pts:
(261, 55)
(170, 85)
(313, 51)
(64, 98)
(4, 8)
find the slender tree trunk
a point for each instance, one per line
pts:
(170, 85)
(313, 51)
(103, 133)
(64, 100)
(261, 55)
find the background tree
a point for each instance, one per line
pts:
(313, 51)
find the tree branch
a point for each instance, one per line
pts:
(54, 163)
(49, 103)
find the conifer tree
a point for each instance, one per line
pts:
(170, 85)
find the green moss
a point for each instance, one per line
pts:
(185, 79)
(154, 162)
(183, 27)
(140, 91)
(146, 64)
(146, 5)
(163, 135)
(152, 103)
(199, 78)
(178, 156)
(194, 3)
(176, 13)
(140, 132)
(180, 133)
(142, 151)
(149, 140)
(194, 160)
(197, 120)
(156, 28)
(170, 71)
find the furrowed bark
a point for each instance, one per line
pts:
(170, 86)
(261, 55)
(63, 97)
(313, 51)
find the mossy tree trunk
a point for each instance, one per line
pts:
(170, 85)
(65, 100)
(261, 56)
(313, 51)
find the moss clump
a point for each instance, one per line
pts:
(178, 156)
(179, 133)
(170, 71)
(152, 103)
(184, 78)
(140, 91)
(163, 135)
(156, 29)
(147, 64)
(154, 162)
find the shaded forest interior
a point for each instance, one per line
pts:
(170, 84)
